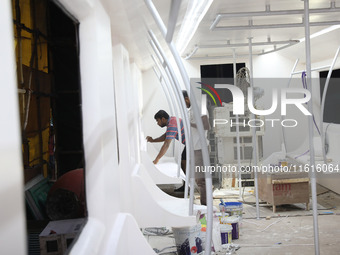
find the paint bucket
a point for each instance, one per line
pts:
(234, 208)
(226, 233)
(188, 240)
(234, 222)
(222, 217)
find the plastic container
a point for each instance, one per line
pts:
(226, 233)
(188, 240)
(222, 218)
(234, 222)
(234, 208)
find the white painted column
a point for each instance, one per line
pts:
(312, 174)
(13, 234)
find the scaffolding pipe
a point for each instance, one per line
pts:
(218, 57)
(175, 108)
(311, 127)
(272, 26)
(237, 133)
(323, 100)
(273, 13)
(199, 124)
(176, 87)
(232, 45)
(205, 152)
(192, 53)
(253, 129)
(239, 55)
(313, 69)
(277, 49)
(288, 44)
(191, 199)
(188, 175)
(191, 177)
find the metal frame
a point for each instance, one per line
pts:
(310, 125)
(306, 24)
(291, 25)
(179, 98)
(197, 116)
(234, 45)
(214, 27)
(310, 119)
(285, 44)
(268, 12)
(238, 148)
(331, 66)
(168, 87)
(323, 100)
(253, 129)
(166, 93)
(311, 130)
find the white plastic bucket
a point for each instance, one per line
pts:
(234, 222)
(226, 236)
(234, 208)
(188, 240)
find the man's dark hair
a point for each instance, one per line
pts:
(185, 93)
(160, 114)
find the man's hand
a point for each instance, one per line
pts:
(149, 139)
(155, 161)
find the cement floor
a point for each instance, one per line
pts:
(288, 231)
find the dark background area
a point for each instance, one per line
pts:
(219, 74)
(332, 100)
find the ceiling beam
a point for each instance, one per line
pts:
(231, 45)
(285, 44)
(271, 26)
(267, 12)
(173, 15)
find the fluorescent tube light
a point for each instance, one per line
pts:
(195, 12)
(322, 32)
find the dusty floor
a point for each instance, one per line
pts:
(288, 231)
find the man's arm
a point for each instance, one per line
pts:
(163, 150)
(206, 124)
(156, 140)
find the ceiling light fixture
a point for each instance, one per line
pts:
(322, 32)
(196, 10)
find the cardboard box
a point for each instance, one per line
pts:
(57, 236)
(287, 188)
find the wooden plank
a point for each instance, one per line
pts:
(284, 181)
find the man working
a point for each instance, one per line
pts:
(163, 120)
(200, 178)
